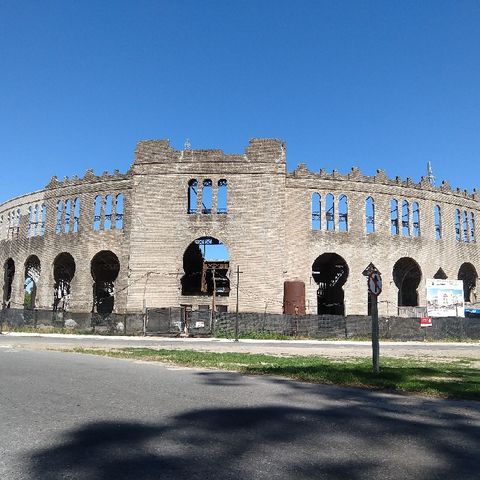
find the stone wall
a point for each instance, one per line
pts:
(267, 230)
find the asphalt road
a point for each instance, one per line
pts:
(336, 349)
(73, 416)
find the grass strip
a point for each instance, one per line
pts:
(453, 379)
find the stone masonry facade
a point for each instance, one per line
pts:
(142, 217)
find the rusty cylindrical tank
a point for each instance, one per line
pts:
(294, 297)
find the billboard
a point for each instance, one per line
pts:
(445, 298)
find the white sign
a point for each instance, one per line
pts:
(445, 298)
(199, 324)
(375, 283)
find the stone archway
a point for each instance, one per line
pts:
(407, 275)
(8, 274)
(205, 264)
(32, 274)
(104, 268)
(468, 274)
(63, 273)
(330, 272)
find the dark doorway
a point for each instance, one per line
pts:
(468, 275)
(63, 272)
(32, 274)
(206, 262)
(104, 267)
(8, 274)
(407, 276)
(330, 272)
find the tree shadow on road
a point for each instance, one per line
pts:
(335, 441)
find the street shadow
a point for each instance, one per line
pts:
(335, 441)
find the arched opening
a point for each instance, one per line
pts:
(316, 211)
(407, 276)
(192, 196)
(468, 275)
(438, 222)
(394, 224)
(342, 213)
(405, 218)
(330, 272)
(8, 274)
(369, 215)
(104, 268)
(32, 274)
(207, 196)
(107, 218)
(330, 212)
(119, 211)
(440, 275)
(206, 262)
(222, 196)
(63, 272)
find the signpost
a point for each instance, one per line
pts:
(374, 282)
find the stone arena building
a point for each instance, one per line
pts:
(194, 228)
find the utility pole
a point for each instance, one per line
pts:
(236, 311)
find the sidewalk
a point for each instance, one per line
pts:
(330, 348)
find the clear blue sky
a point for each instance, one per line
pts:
(375, 84)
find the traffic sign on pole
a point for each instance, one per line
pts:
(375, 283)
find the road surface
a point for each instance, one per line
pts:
(71, 416)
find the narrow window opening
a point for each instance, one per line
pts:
(119, 211)
(97, 214)
(458, 235)
(76, 214)
(107, 223)
(58, 225)
(394, 227)
(44, 219)
(222, 197)
(30, 222)
(36, 221)
(66, 223)
(207, 197)
(316, 211)
(330, 212)
(465, 226)
(472, 227)
(192, 196)
(370, 216)
(416, 219)
(405, 219)
(438, 222)
(343, 213)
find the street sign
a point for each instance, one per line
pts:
(375, 283)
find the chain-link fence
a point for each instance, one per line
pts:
(181, 321)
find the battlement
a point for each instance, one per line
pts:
(88, 178)
(259, 150)
(355, 175)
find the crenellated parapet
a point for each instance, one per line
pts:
(88, 178)
(380, 178)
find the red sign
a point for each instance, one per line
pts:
(426, 322)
